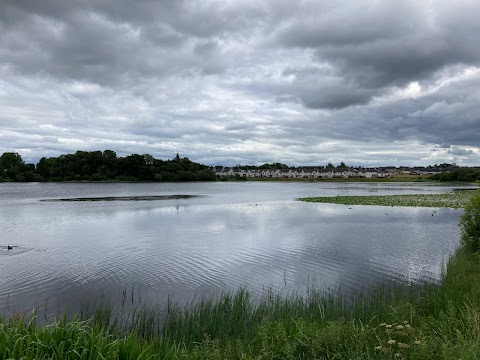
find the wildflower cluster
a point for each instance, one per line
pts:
(18, 318)
(396, 339)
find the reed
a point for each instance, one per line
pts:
(408, 321)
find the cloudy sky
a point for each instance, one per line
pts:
(243, 82)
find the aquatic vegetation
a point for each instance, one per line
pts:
(455, 199)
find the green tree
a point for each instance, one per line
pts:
(11, 159)
(342, 165)
(110, 154)
(458, 174)
(206, 175)
(102, 166)
(276, 165)
(329, 166)
(149, 159)
(470, 223)
(12, 165)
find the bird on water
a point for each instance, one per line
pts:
(9, 247)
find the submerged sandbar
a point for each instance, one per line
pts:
(125, 198)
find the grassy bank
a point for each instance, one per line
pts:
(455, 199)
(429, 321)
(392, 321)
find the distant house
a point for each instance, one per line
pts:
(370, 173)
(324, 173)
(285, 173)
(389, 170)
(240, 173)
(266, 173)
(224, 172)
(251, 173)
(312, 172)
(341, 173)
(298, 173)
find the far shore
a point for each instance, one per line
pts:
(399, 178)
(393, 179)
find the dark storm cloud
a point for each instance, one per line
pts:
(380, 44)
(439, 118)
(319, 89)
(111, 42)
(455, 150)
(296, 82)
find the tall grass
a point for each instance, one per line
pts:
(428, 321)
(23, 339)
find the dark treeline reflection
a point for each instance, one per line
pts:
(102, 166)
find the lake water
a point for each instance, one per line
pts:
(233, 234)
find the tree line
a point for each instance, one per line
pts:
(102, 166)
(459, 174)
(269, 166)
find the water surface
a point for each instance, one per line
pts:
(251, 234)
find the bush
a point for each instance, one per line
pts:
(460, 174)
(126, 178)
(470, 223)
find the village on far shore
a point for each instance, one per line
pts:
(327, 172)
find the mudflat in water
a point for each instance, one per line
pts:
(125, 198)
(91, 242)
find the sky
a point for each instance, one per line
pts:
(226, 82)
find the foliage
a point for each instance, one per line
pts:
(444, 165)
(262, 167)
(103, 166)
(456, 199)
(21, 338)
(470, 223)
(458, 174)
(274, 166)
(13, 168)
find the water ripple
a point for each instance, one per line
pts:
(71, 252)
(12, 250)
